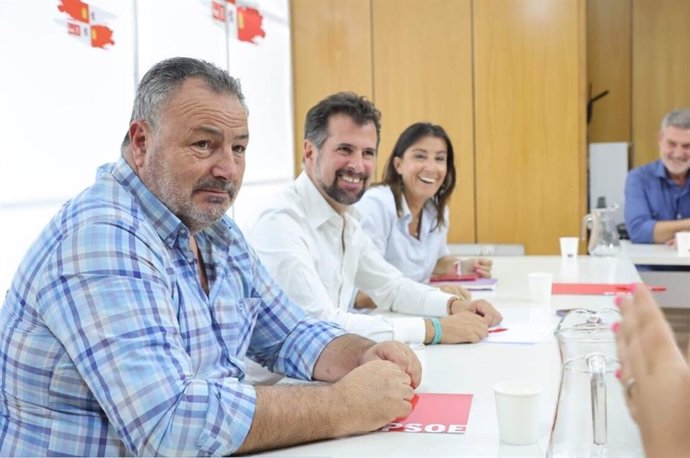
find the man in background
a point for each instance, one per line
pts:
(657, 195)
(125, 329)
(311, 241)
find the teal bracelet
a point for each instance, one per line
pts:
(437, 331)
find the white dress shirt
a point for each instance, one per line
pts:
(320, 258)
(415, 258)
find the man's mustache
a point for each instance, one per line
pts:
(217, 185)
(347, 171)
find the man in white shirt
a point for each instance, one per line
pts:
(312, 244)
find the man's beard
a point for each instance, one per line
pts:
(341, 196)
(333, 191)
(180, 202)
(193, 216)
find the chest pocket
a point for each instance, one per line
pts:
(234, 322)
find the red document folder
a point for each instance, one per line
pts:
(597, 288)
(452, 278)
(435, 413)
(469, 282)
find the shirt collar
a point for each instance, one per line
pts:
(166, 224)
(406, 213)
(428, 209)
(660, 169)
(316, 207)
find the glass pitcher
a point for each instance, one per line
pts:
(603, 237)
(592, 419)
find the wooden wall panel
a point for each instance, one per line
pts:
(661, 69)
(331, 52)
(423, 72)
(529, 121)
(609, 67)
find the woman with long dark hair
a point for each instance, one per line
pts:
(406, 215)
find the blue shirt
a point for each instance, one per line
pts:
(415, 258)
(651, 196)
(109, 345)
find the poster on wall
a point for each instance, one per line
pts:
(173, 28)
(259, 55)
(250, 39)
(66, 96)
(65, 101)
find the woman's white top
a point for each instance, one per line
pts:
(415, 258)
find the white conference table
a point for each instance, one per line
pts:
(652, 254)
(660, 264)
(473, 369)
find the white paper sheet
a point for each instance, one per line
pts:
(524, 325)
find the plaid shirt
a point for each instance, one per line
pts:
(109, 345)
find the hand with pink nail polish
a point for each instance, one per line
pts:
(617, 300)
(654, 374)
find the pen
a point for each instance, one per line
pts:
(656, 288)
(498, 329)
(628, 289)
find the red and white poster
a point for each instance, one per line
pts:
(65, 104)
(87, 23)
(435, 413)
(243, 18)
(67, 97)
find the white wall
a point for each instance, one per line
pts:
(65, 104)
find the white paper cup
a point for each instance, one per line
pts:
(517, 410)
(569, 246)
(540, 287)
(683, 243)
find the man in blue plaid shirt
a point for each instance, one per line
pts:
(125, 328)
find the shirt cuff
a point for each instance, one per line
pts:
(647, 232)
(436, 303)
(409, 330)
(229, 416)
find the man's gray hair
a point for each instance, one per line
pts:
(160, 83)
(679, 118)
